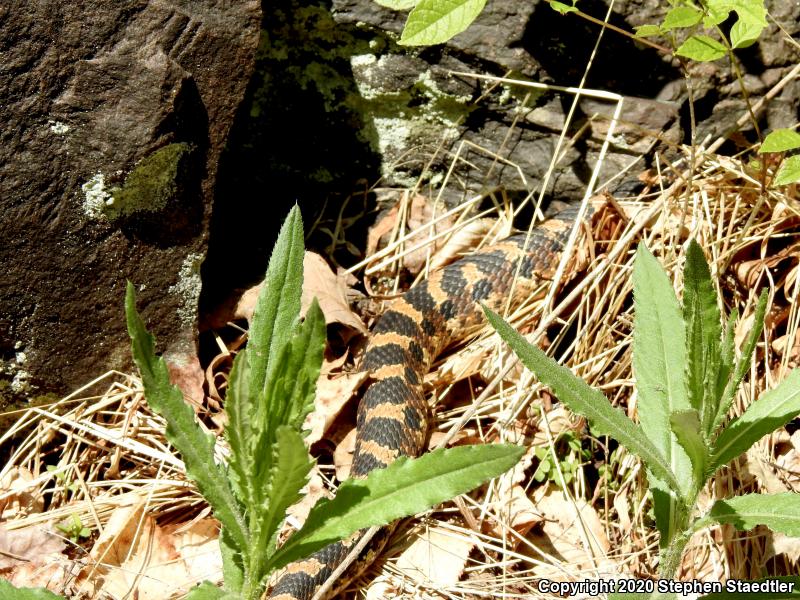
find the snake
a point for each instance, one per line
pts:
(393, 416)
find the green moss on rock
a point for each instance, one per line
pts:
(151, 184)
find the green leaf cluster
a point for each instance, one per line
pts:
(686, 377)
(751, 19)
(783, 140)
(271, 391)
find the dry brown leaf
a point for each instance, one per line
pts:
(53, 572)
(623, 508)
(466, 238)
(331, 291)
(568, 525)
(17, 496)
(420, 214)
(135, 556)
(333, 392)
(783, 544)
(185, 372)
(247, 303)
(781, 344)
(28, 545)
(436, 558)
(762, 471)
(518, 510)
(749, 272)
(343, 455)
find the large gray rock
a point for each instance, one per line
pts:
(114, 115)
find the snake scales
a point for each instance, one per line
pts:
(393, 414)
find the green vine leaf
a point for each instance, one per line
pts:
(744, 34)
(562, 8)
(681, 16)
(648, 30)
(398, 4)
(780, 140)
(701, 48)
(436, 21)
(789, 171)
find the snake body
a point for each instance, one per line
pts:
(393, 415)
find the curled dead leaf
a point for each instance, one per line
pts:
(331, 291)
(436, 558)
(19, 496)
(333, 392)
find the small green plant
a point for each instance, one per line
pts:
(569, 458)
(686, 379)
(779, 142)
(74, 528)
(271, 390)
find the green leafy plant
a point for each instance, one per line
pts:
(271, 390)
(569, 456)
(692, 27)
(74, 528)
(779, 142)
(686, 379)
(9, 592)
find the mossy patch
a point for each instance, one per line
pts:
(150, 186)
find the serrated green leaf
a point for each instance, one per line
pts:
(779, 512)
(743, 364)
(292, 466)
(584, 400)
(687, 428)
(659, 359)
(726, 365)
(681, 16)
(703, 330)
(208, 591)
(744, 34)
(772, 410)
(749, 11)
(701, 48)
(289, 396)
(789, 171)
(436, 21)
(232, 564)
(398, 4)
(278, 304)
(560, 7)
(757, 595)
(9, 592)
(183, 432)
(780, 140)
(648, 30)
(290, 402)
(238, 431)
(405, 487)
